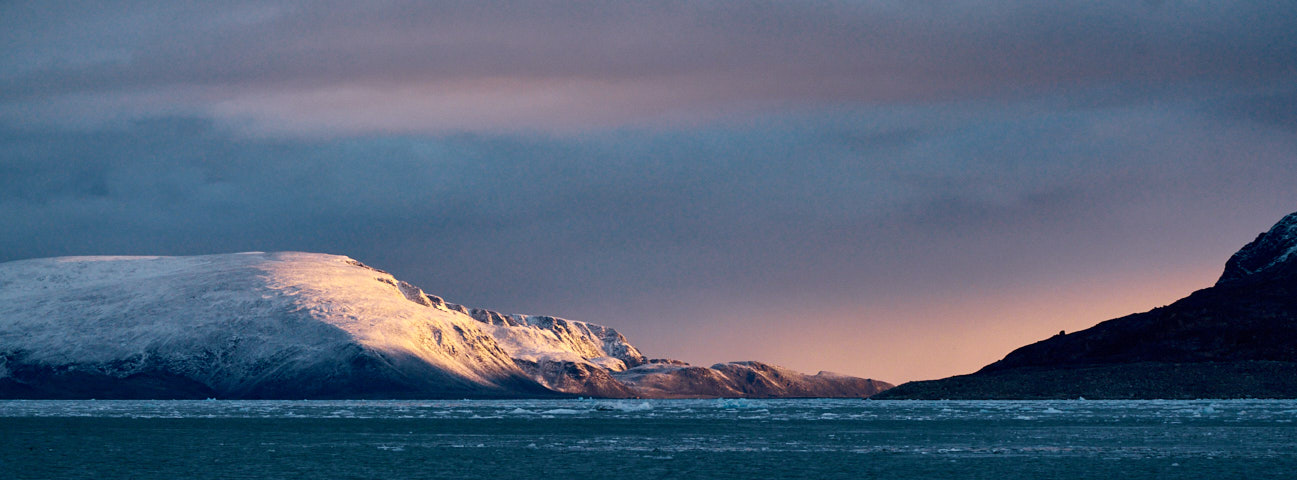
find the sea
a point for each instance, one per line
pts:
(649, 439)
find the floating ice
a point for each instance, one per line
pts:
(563, 411)
(624, 406)
(735, 403)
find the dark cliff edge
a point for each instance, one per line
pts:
(1236, 339)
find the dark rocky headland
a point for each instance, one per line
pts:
(1235, 339)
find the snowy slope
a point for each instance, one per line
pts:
(563, 355)
(537, 338)
(238, 323)
(301, 325)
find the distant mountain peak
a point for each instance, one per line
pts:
(1271, 249)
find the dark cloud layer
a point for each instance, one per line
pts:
(659, 232)
(446, 66)
(910, 187)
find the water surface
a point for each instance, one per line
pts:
(648, 439)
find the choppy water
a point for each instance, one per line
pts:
(648, 439)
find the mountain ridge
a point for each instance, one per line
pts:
(299, 325)
(1272, 250)
(1232, 339)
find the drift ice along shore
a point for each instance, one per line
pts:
(306, 325)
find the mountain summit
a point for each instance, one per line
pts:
(303, 325)
(1234, 339)
(1272, 252)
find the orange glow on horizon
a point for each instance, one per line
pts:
(927, 336)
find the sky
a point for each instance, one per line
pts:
(898, 190)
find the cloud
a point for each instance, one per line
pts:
(546, 66)
(820, 172)
(809, 201)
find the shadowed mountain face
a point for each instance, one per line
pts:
(1268, 257)
(1237, 338)
(301, 325)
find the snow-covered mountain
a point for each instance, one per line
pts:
(305, 325)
